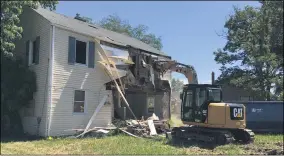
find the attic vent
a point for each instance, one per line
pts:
(92, 26)
(109, 38)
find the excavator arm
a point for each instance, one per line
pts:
(171, 65)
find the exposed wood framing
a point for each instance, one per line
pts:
(104, 57)
(102, 53)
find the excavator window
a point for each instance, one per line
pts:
(214, 95)
(189, 98)
(200, 96)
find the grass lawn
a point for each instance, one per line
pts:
(122, 144)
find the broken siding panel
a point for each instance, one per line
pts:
(34, 27)
(67, 79)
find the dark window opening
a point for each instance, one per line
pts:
(147, 59)
(34, 52)
(81, 52)
(109, 86)
(132, 67)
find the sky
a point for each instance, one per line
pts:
(188, 28)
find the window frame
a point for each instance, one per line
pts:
(85, 102)
(87, 52)
(153, 97)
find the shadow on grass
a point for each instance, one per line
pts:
(200, 144)
(19, 138)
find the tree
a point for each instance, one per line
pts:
(140, 32)
(10, 29)
(176, 85)
(249, 58)
(18, 83)
(17, 89)
(115, 23)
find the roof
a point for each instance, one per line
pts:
(95, 31)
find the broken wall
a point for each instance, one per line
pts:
(141, 82)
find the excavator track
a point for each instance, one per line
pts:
(211, 135)
(243, 135)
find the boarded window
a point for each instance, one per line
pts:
(79, 101)
(150, 104)
(81, 52)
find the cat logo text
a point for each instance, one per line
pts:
(238, 112)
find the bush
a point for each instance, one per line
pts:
(18, 84)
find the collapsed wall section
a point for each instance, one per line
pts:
(146, 90)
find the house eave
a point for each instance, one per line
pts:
(107, 40)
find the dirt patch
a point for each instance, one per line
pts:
(253, 149)
(280, 144)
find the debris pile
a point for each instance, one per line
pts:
(136, 128)
(144, 128)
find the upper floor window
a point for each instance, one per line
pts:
(81, 52)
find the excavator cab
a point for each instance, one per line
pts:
(195, 100)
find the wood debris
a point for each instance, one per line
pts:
(143, 128)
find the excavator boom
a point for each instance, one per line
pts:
(187, 70)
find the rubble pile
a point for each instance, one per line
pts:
(136, 128)
(142, 127)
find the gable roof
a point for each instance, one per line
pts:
(95, 31)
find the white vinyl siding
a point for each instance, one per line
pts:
(35, 25)
(66, 79)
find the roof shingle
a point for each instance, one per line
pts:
(95, 31)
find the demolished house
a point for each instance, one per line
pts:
(72, 60)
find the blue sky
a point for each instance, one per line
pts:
(188, 29)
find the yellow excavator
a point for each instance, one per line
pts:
(206, 117)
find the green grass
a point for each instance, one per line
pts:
(122, 144)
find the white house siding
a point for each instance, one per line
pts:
(66, 79)
(35, 25)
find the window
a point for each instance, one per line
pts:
(150, 104)
(79, 101)
(188, 102)
(81, 52)
(200, 96)
(215, 95)
(32, 52)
